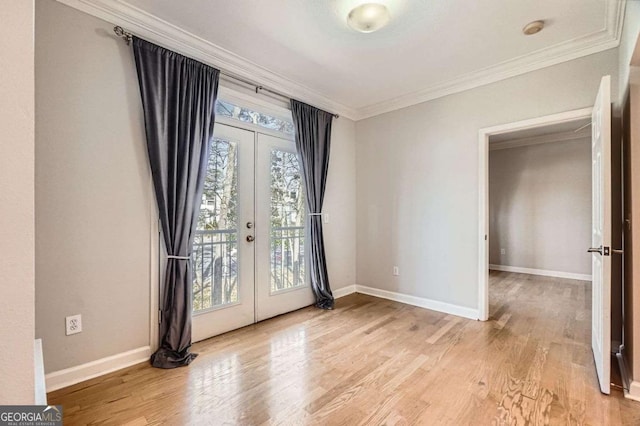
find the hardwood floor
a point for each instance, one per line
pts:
(373, 361)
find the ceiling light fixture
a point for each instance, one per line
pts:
(368, 17)
(533, 27)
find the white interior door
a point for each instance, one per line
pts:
(223, 258)
(601, 234)
(282, 283)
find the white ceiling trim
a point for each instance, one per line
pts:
(161, 32)
(164, 33)
(539, 140)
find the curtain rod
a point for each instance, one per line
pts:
(128, 37)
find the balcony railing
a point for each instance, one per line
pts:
(215, 268)
(215, 265)
(287, 258)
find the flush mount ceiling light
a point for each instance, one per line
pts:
(368, 17)
(533, 27)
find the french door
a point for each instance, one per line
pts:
(248, 251)
(281, 276)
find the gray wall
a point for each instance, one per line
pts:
(340, 204)
(16, 201)
(540, 206)
(93, 199)
(417, 177)
(95, 210)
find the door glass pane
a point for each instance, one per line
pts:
(287, 222)
(279, 124)
(215, 245)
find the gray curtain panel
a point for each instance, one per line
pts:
(178, 97)
(313, 142)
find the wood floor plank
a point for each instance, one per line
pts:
(374, 361)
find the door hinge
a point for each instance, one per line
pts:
(159, 316)
(485, 237)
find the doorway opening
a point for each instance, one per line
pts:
(601, 219)
(599, 118)
(540, 207)
(501, 136)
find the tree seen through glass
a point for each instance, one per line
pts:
(215, 245)
(247, 115)
(287, 222)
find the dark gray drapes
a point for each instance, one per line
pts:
(313, 141)
(178, 97)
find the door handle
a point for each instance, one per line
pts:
(250, 238)
(604, 251)
(595, 250)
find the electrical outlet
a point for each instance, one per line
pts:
(503, 251)
(73, 324)
(396, 271)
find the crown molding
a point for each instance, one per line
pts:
(604, 39)
(539, 140)
(161, 32)
(171, 36)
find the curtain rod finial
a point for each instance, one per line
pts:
(120, 32)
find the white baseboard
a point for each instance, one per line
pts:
(543, 272)
(344, 291)
(80, 373)
(38, 361)
(71, 376)
(421, 302)
(633, 392)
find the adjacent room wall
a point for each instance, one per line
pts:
(540, 206)
(95, 211)
(17, 200)
(417, 177)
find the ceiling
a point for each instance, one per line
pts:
(429, 49)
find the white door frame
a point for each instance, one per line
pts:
(483, 193)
